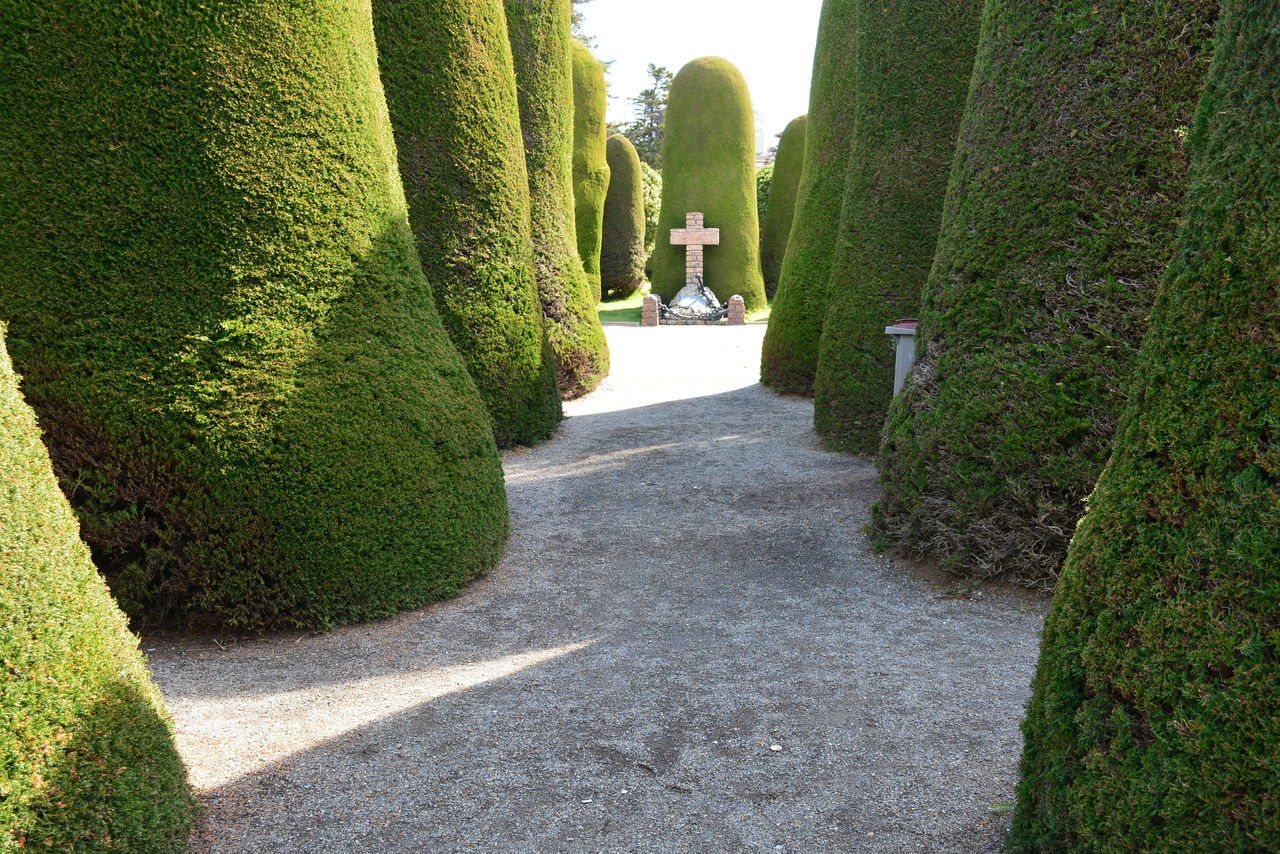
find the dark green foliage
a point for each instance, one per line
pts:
(645, 133)
(87, 759)
(1155, 718)
(763, 181)
(780, 209)
(214, 296)
(1059, 220)
(790, 355)
(914, 65)
(590, 164)
(651, 186)
(622, 246)
(539, 33)
(451, 92)
(709, 166)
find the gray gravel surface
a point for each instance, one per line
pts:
(690, 647)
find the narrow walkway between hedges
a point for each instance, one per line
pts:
(690, 647)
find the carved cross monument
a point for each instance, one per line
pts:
(693, 237)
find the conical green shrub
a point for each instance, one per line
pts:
(539, 33)
(87, 759)
(914, 65)
(708, 166)
(790, 354)
(1155, 719)
(781, 206)
(622, 246)
(1064, 200)
(590, 162)
(451, 92)
(214, 295)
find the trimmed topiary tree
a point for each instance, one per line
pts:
(622, 244)
(451, 92)
(708, 165)
(214, 294)
(764, 180)
(539, 33)
(914, 65)
(1060, 218)
(781, 206)
(790, 354)
(1155, 719)
(87, 759)
(590, 163)
(651, 186)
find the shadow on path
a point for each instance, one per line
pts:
(687, 588)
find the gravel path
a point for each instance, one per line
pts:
(690, 647)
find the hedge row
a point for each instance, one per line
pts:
(1066, 192)
(451, 92)
(914, 64)
(622, 244)
(708, 157)
(1155, 718)
(790, 356)
(540, 43)
(87, 759)
(781, 206)
(214, 295)
(590, 163)
(651, 185)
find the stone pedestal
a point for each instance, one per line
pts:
(737, 311)
(649, 311)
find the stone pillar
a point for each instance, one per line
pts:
(737, 310)
(649, 311)
(693, 265)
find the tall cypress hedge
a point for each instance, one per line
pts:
(790, 355)
(590, 162)
(451, 92)
(651, 186)
(781, 206)
(215, 298)
(87, 759)
(539, 33)
(915, 61)
(1064, 199)
(708, 157)
(622, 244)
(1155, 719)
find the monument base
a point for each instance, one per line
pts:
(653, 313)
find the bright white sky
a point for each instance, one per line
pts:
(771, 42)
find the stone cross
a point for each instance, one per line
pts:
(693, 237)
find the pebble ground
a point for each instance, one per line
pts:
(690, 647)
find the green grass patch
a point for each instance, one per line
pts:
(626, 310)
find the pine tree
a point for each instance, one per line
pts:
(645, 132)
